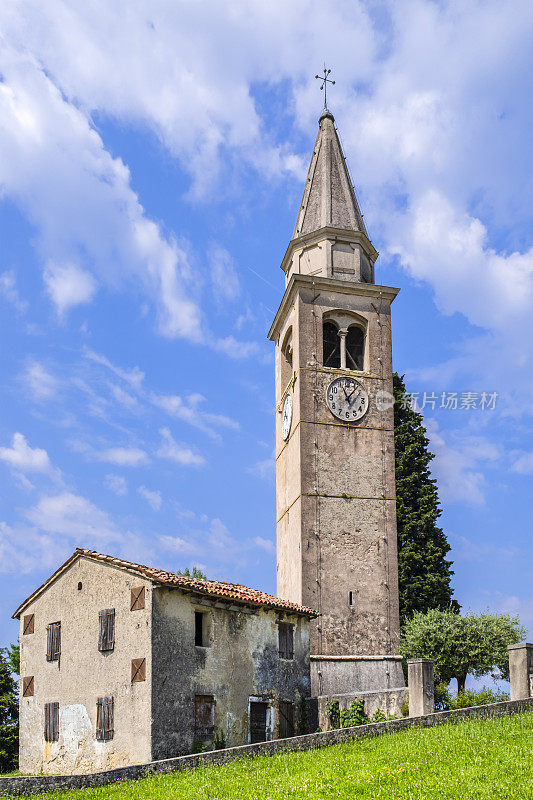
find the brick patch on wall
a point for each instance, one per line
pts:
(25, 785)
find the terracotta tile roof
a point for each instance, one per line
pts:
(220, 589)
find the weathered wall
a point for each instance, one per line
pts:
(332, 675)
(83, 673)
(336, 484)
(388, 700)
(241, 662)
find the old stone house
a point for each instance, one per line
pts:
(124, 664)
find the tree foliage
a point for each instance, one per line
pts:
(473, 644)
(424, 572)
(196, 573)
(8, 715)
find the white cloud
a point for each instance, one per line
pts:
(8, 289)
(40, 382)
(117, 484)
(122, 456)
(70, 515)
(181, 454)
(24, 549)
(264, 469)
(153, 498)
(22, 457)
(226, 286)
(134, 377)
(68, 285)
(265, 544)
(458, 466)
(523, 464)
(189, 410)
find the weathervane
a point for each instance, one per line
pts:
(325, 80)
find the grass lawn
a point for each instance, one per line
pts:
(478, 759)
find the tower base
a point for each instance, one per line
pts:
(333, 675)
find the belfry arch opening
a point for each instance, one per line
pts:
(343, 344)
(286, 359)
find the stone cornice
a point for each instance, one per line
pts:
(299, 281)
(330, 233)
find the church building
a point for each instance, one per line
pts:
(123, 663)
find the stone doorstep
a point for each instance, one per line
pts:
(25, 785)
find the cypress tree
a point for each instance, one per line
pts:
(423, 570)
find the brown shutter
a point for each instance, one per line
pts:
(28, 625)
(28, 686)
(290, 641)
(138, 669)
(49, 646)
(51, 722)
(55, 721)
(286, 719)
(109, 717)
(204, 716)
(53, 641)
(106, 629)
(100, 718)
(137, 598)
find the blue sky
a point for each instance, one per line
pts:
(153, 158)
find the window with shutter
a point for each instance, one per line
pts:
(204, 716)
(28, 685)
(138, 669)
(106, 630)
(51, 722)
(105, 718)
(285, 640)
(28, 625)
(258, 721)
(137, 598)
(53, 641)
(286, 719)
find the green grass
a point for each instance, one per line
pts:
(477, 759)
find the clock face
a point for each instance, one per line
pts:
(286, 416)
(346, 399)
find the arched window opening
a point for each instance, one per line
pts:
(286, 359)
(331, 345)
(355, 343)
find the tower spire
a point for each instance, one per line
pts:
(329, 198)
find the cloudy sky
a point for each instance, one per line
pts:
(152, 158)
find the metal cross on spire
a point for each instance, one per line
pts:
(324, 85)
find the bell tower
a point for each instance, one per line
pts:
(335, 485)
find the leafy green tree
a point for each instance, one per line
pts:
(13, 658)
(196, 573)
(423, 570)
(8, 715)
(473, 644)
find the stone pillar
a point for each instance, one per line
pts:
(521, 670)
(421, 687)
(342, 336)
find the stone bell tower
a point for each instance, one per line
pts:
(335, 486)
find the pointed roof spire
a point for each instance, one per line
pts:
(329, 199)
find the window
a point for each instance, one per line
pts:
(28, 625)
(285, 640)
(105, 718)
(80, 586)
(137, 598)
(28, 686)
(204, 716)
(331, 345)
(53, 641)
(286, 359)
(106, 630)
(51, 722)
(138, 669)
(286, 719)
(350, 599)
(199, 632)
(355, 341)
(258, 721)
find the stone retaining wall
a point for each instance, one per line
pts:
(25, 785)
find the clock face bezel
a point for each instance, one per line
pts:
(286, 403)
(364, 393)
